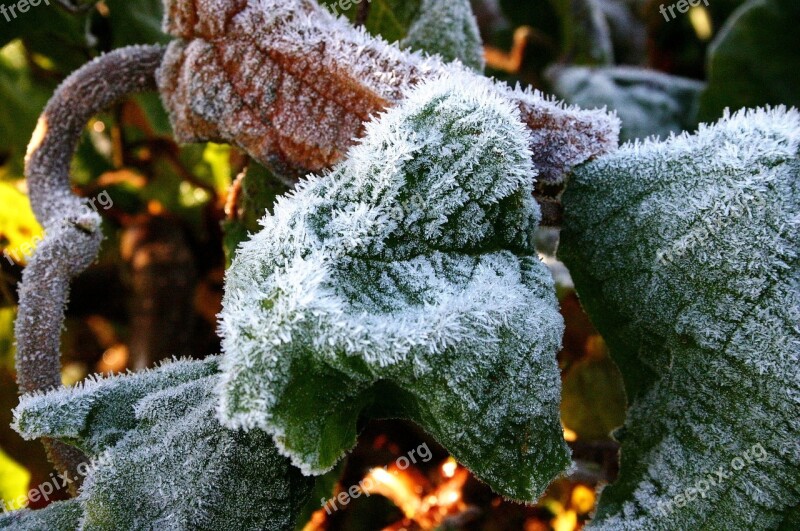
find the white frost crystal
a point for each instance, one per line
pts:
(405, 283)
(159, 457)
(686, 255)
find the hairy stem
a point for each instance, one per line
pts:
(72, 229)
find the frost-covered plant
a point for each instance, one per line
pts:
(648, 103)
(240, 72)
(405, 283)
(159, 457)
(450, 28)
(345, 303)
(686, 255)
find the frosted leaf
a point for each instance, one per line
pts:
(449, 28)
(159, 457)
(686, 255)
(58, 516)
(405, 283)
(99, 413)
(648, 103)
(292, 85)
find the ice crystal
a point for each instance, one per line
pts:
(450, 28)
(159, 457)
(292, 85)
(686, 255)
(405, 283)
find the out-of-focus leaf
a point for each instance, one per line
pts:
(593, 400)
(586, 36)
(21, 101)
(7, 316)
(754, 60)
(136, 22)
(647, 102)
(14, 481)
(387, 18)
(447, 28)
(259, 189)
(628, 31)
(19, 230)
(217, 158)
(49, 30)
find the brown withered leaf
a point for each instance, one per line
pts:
(292, 86)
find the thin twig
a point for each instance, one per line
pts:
(72, 229)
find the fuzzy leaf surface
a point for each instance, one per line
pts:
(405, 283)
(686, 255)
(159, 457)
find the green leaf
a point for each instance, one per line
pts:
(14, 481)
(753, 61)
(388, 18)
(7, 316)
(444, 27)
(259, 190)
(406, 283)
(686, 255)
(19, 231)
(136, 22)
(585, 33)
(58, 516)
(159, 457)
(22, 100)
(647, 102)
(593, 403)
(447, 28)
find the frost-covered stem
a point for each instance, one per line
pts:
(72, 229)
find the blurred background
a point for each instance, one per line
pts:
(175, 214)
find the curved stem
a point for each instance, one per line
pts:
(72, 229)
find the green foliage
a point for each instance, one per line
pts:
(58, 516)
(7, 316)
(14, 481)
(685, 254)
(405, 283)
(444, 27)
(259, 190)
(593, 403)
(387, 18)
(159, 457)
(136, 22)
(586, 36)
(647, 102)
(754, 61)
(19, 230)
(22, 100)
(448, 28)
